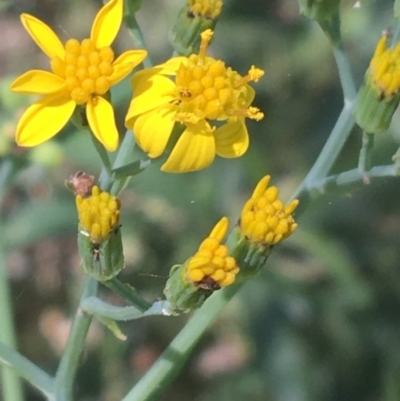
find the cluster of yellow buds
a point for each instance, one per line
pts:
(265, 219)
(379, 95)
(264, 222)
(99, 236)
(211, 268)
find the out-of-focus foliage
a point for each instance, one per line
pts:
(322, 322)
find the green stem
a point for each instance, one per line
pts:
(137, 37)
(328, 155)
(28, 370)
(170, 362)
(352, 177)
(343, 65)
(128, 142)
(364, 160)
(69, 362)
(96, 306)
(11, 383)
(128, 293)
(105, 176)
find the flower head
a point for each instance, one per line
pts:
(82, 73)
(98, 214)
(384, 68)
(211, 267)
(206, 8)
(209, 100)
(191, 283)
(379, 95)
(265, 219)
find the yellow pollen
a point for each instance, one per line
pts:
(98, 214)
(86, 70)
(264, 218)
(211, 261)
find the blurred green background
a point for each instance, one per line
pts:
(321, 322)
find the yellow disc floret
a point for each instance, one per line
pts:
(211, 267)
(265, 219)
(207, 89)
(85, 69)
(205, 8)
(384, 68)
(98, 214)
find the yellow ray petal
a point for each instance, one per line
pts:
(107, 23)
(37, 82)
(232, 139)
(125, 63)
(168, 68)
(153, 129)
(150, 94)
(100, 115)
(43, 36)
(194, 150)
(44, 119)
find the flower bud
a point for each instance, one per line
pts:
(195, 17)
(99, 237)
(190, 284)
(264, 222)
(379, 95)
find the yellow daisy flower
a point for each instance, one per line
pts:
(209, 100)
(82, 73)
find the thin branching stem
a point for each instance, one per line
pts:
(66, 372)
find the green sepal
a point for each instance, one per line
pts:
(319, 10)
(112, 326)
(184, 35)
(373, 112)
(183, 295)
(101, 261)
(249, 256)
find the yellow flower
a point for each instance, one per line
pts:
(209, 100)
(265, 219)
(206, 8)
(82, 73)
(379, 95)
(98, 214)
(211, 267)
(384, 68)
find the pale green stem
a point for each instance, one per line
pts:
(28, 370)
(352, 177)
(11, 383)
(364, 160)
(346, 79)
(123, 156)
(65, 377)
(128, 293)
(105, 176)
(170, 362)
(328, 155)
(95, 306)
